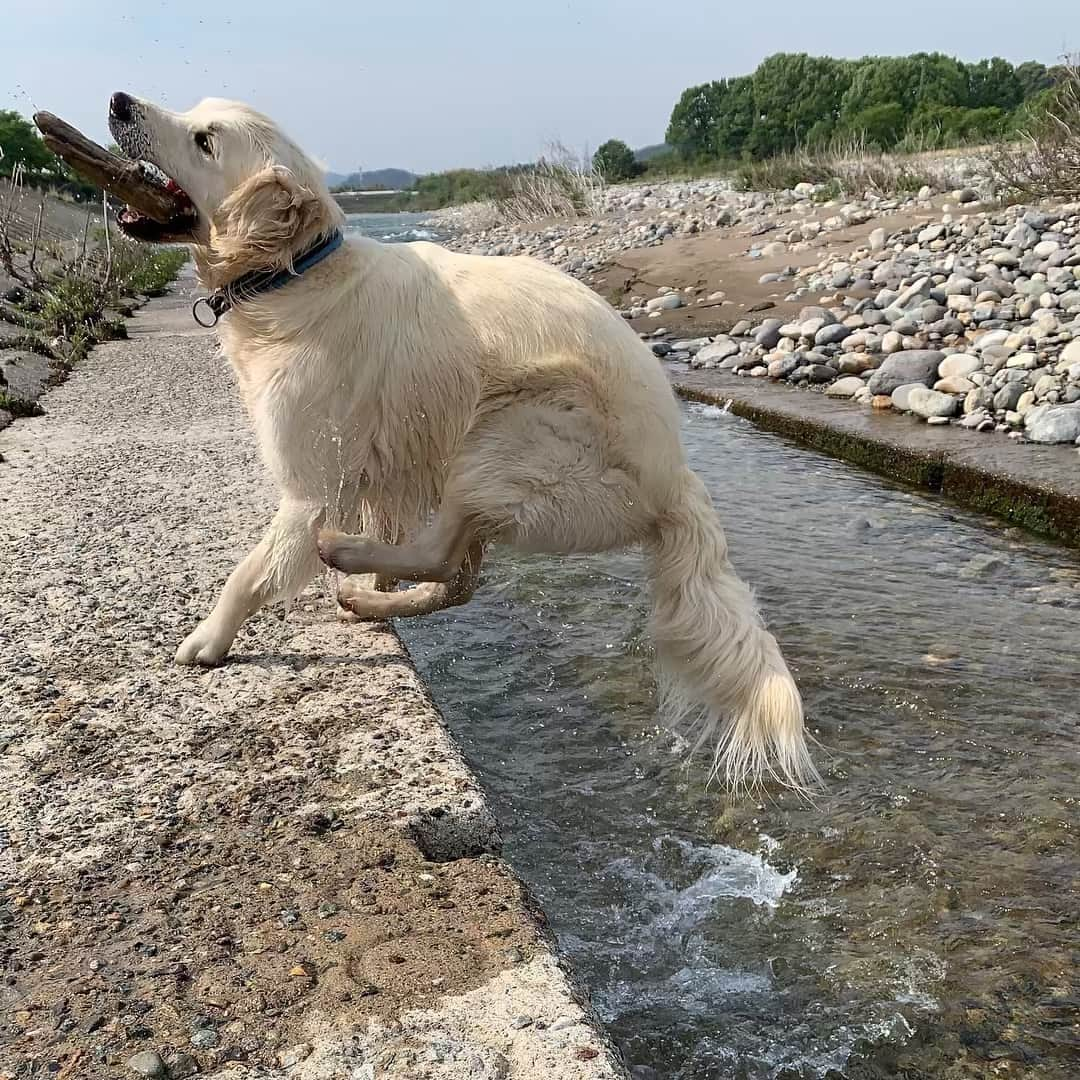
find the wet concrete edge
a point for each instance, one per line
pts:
(1034, 487)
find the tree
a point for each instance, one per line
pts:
(993, 84)
(692, 127)
(879, 125)
(1034, 78)
(880, 80)
(735, 116)
(615, 161)
(794, 93)
(941, 80)
(20, 144)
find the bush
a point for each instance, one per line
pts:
(1046, 164)
(615, 161)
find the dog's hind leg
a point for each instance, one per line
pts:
(422, 599)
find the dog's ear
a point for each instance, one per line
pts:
(260, 225)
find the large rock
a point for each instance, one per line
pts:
(846, 387)
(1008, 396)
(768, 333)
(901, 396)
(954, 384)
(832, 335)
(1071, 353)
(961, 364)
(719, 350)
(929, 403)
(667, 302)
(24, 376)
(1022, 236)
(913, 366)
(1053, 423)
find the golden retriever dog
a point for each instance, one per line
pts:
(416, 405)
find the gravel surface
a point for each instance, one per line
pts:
(278, 867)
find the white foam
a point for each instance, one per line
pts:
(712, 412)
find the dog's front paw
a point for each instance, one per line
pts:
(204, 646)
(342, 551)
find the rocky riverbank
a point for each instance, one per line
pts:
(946, 306)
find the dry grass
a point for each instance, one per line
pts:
(1045, 163)
(560, 185)
(854, 170)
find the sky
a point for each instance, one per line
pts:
(427, 85)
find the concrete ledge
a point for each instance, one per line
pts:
(278, 868)
(1036, 487)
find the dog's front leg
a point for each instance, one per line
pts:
(281, 564)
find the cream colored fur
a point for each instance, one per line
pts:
(448, 401)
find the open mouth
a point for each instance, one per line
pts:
(158, 209)
(143, 219)
(141, 226)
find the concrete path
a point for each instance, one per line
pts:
(1036, 487)
(281, 867)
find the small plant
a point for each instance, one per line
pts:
(150, 270)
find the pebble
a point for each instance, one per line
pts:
(147, 1063)
(181, 1065)
(980, 307)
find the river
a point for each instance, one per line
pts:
(921, 919)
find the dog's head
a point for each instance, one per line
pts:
(258, 198)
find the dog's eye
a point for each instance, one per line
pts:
(202, 141)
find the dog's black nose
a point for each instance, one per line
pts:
(120, 106)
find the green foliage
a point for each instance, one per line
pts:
(880, 126)
(20, 145)
(458, 186)
(797, 100)
(993, 84)
(1034, 79)
(949, 125)
(713, 119)
(151, 270)
(615, 161)
(794, 100)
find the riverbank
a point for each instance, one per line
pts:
(281, 867)
(960, 313)
(65, 285)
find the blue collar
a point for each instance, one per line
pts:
(259, 281)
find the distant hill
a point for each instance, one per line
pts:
(388, 179)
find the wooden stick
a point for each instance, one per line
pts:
(119, 176)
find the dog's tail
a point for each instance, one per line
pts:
(719, 667)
